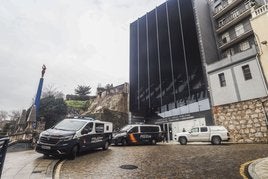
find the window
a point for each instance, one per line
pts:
(225, 37)
(195, 130)
(134, 130)
(227, 53)
(218, 8)
(149, 129)
(99, 128)
(239, 30)
(204, 129)
(248, 4)
(107, 128)
(235, 13)
(246, 72)
(244, 46)
(221, 22)
(222, 80)
(88, 128)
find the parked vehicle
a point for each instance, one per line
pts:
(71, 136)
(138, 134)
(213, 134)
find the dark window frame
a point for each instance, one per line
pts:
(134, 131)
(246, 72)
(99, 127)
(202, 129)
(222, 79)
(88, 128)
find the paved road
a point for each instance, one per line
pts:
(164, 161)
(27, 164)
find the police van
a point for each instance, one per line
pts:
(71, 136)
(138, 134)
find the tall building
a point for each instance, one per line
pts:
(259, 23)
(238, 67)
(169, 47)
(237, 83)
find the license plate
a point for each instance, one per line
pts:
(45, 147)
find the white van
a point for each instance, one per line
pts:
(71, 136)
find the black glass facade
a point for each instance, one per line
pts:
(165, 62)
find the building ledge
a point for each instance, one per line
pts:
(226, 7)
(233, 21)
(224, 46)
(258, 12)
(231, 60)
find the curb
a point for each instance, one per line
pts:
(57, 168)
(251, 168)
(51, 168)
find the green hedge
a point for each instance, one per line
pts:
(76, 104)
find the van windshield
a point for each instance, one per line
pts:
(126, 128)
(70, 125)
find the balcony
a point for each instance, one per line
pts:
(231, 20)
(224, 43)
(226, 7)
(262, 10)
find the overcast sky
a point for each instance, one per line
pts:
(82, 42)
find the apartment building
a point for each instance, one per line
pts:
(238, 66)
(237, 83)
(259, 22)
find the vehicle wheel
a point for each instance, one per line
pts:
(124, 142)
(216, 140)
(73, 153)
(182, 140)
(106, 145)
(153, 142)
(116, 143)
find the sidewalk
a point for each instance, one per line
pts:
(27, 164)
(259, 169)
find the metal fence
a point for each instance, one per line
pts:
(3, 149)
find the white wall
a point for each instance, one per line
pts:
(237, 88)
(222, 95)
(252, 88)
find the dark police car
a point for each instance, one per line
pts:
(138, 134)
(71, 136)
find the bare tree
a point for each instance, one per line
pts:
(15, 115)
(3, 115)
(50, 90)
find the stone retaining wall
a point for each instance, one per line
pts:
(246, 120)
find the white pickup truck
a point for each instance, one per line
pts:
(213, 134)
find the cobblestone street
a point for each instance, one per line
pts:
(164, 161)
